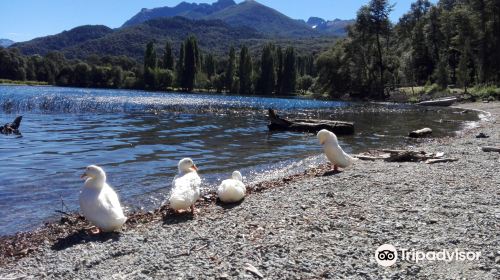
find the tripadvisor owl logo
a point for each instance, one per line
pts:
(386, 255)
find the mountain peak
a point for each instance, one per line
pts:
(6, 43)
(184, 9)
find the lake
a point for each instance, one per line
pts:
(138, 138)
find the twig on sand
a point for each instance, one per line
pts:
(191, 249)
(63, 205)
(438, 160)
(62, 212)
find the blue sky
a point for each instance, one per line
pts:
(23, 20)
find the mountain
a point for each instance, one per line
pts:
(266, 20)
(188, 10)
(63, 40)
(6, 42)
(213, 35)
(248, 13)
(335, 27)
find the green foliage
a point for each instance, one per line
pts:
(304, 83)
(267, 79)
(168, 57)
(453, 42)
(289, 74)
(150, 60)
(245, 72)
(230, 69)
(29, 83)
(486, 92)
(191, 63)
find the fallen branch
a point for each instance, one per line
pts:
(420, 133)
(310, 125)
(491, 149)
(401, 156)
(439, 160)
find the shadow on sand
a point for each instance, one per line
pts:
(228, 206)
(82, 236)
(172, 218)
(331, 173)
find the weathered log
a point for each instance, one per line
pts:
(13, 127)
(404, 156)
(443, 102)
(439, 160)
(312, 126)
(491, 149)
(420, 133)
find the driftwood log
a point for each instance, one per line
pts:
(11, 128)
(405, 156)
(311, 126)
(491, 149)
(420, 133)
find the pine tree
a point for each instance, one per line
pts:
(179, 67)
(279, 70)
(245, 71)
(191, 62)
(289, 72)
(441, 72)
(463, 71)
(168, 57)
(150, 60)
(150, 65)
(267, 80)
(230, 67)
(209, 65)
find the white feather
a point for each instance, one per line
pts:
(100, 205)
(232, 190)
(185, 187)
(333, 151)
(185, 191)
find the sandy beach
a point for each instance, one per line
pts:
(309, 226)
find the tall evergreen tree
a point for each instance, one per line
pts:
(230, 69)
(209, 65)
(179, 67)
(246, 72)
(381, 27)
(191, 62)
(150, 65)
(463, 71)
(150, 60)
(289, 72)
(279, 70)
(267, 80)
(168, 57)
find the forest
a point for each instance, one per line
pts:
(435, 47)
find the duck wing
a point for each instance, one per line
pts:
(111, 202)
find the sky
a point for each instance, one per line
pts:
(23, 20)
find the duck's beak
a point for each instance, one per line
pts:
(194, 167)
(84, 176)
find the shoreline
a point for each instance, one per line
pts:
(67, 237)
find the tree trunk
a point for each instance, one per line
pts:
(312, 126)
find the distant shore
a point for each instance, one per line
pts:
(307, 226)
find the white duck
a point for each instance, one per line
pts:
(185, 187)
(333, 151)
(232, 190)
(99, 202)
